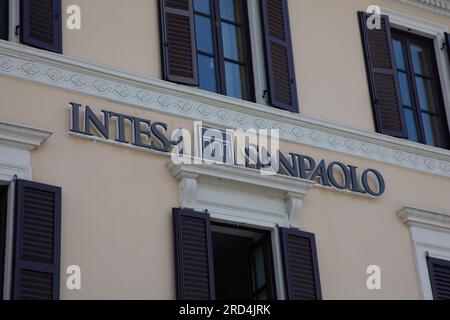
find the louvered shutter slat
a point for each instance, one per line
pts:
(439, 271)
(193, 253)
(300, 265)
(282, 85)
(41, 25)
(382, 76)
(37, 241)
(178, 41)
(4, 15)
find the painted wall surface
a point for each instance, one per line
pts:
(117, 205)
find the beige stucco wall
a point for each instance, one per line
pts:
(117, 208)
(117, 202)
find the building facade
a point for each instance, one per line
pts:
(98, 97)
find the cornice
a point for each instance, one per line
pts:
(425, 218)
(439, 7)
(21, 137)
(242, 175)
(161, 96)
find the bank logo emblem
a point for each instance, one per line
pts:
(216, 145)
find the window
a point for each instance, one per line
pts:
(208, 44)
(250, 276)
(35, 263)
(224, 63)
(404, 83)
(217, 261)
(36, 23)
(420, 89)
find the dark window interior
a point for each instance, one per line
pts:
(420, 89)
(242, 264)
(3, 200)
(224, 63)
(4, 12)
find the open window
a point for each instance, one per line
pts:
(216, 261)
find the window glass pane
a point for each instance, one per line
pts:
(202, 6)
(260, 272)
(431, 126)
(420, 60)
(411, 125)
(228, 10)
(426, 96)
(207, 73)
(399, 55)
(232, 42)
(235, 80)
(203, 34)
(404, 89)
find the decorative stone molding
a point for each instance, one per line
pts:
(276, 190)
(22, 137)
(440, 7)
(425, 218)
(294, 202)
(151, 94)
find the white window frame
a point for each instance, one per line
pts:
(431, 30)
(243, 197)
(14, 20)
(16, 144)
(257, 50)
(430, 235)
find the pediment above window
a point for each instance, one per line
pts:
(241, 195)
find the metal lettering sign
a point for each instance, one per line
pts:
(225, 147)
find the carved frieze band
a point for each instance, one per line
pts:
(440, 7)
(77, 76)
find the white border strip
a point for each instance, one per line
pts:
(223, 112)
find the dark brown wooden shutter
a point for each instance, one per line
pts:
(178, 41)
(41, 25)
(193, 255)
(37, 241)
(439, 271)
(382, 75)
(4, 19)
(447, 42)
(301, 268)
(282, 85)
